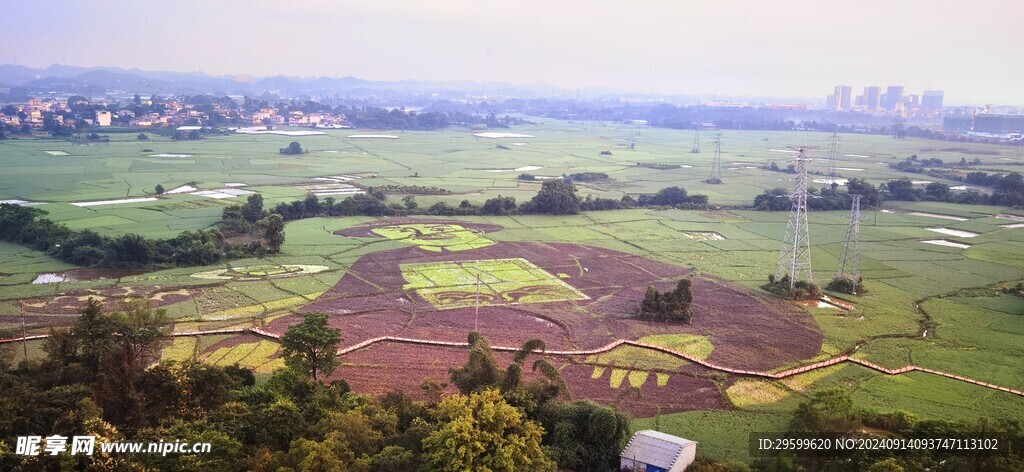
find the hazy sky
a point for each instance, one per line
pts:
(971, 49)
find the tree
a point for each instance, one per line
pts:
(159, 189)
(142, 137)
(673, 306)
(903, 189)
(828, 411)
(938, 191)
(271, 231)
(233, 222)
(481, 431)
(410, 202)
(135, 338)
(556, 197)
(499, 206)
(292, 149)
(871, 198)
(584, 435)
(252, 210)
(310, 346)
(480, 371)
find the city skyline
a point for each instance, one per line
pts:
(701, 48)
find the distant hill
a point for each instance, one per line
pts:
(62, 78)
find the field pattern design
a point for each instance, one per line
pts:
(489, 282)
(434, 237)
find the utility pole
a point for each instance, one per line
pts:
(24, 337)
(795, 255)
(849, 260)
(833, 151)
(476, 316)
(696, 138)
(716, 164)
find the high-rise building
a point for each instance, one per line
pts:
(872, 97)
(932, 100)
(893, 96)
(830, 102)
(845, 101)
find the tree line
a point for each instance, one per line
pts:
(29, 227)
(1007, 190)
(555, 197)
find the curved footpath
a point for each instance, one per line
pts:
(608, 347)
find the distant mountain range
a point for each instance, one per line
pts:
(98, 80)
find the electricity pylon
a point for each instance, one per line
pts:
(849, 260)
(795, 256)
(833, 151)
(696, 139)
(716, 164)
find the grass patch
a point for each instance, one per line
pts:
(693, 344)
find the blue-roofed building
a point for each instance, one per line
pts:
(653, 451)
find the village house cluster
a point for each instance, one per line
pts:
(74, 111)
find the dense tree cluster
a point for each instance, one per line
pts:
(846, 283)
(832, 413)
(831, 197)
(673, 197)
(587, 177)
(1007, 191)
(27, 226)
(98, 378)
(292, 149)
(579, 435)
(672, 306)
(801, 289)
(410, 189)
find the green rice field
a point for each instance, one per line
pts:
(926, 304)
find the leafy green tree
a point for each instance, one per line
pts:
(135, 336)
(673, 306)
(310, 346)
(232, 221)
(292, 149)
(827, 411)
(584, 435)
(410, 202)
(870, 196)
(499, 206)
(271, 231)
(159, 189)
(556, 197)
(95, 333)
(481, 431)
(393, 459)
(252, 210)
(142, 137)
(480, 371)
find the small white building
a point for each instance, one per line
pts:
(653, 451)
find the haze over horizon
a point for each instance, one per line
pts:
(785, 49)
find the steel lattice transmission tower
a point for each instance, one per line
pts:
(795, 256)
(833, 151)
(716, 164)
(696, 138)
(849, 260)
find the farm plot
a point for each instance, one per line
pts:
(246, 350)
(485, 282)
(429, 236)
(588, 298)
